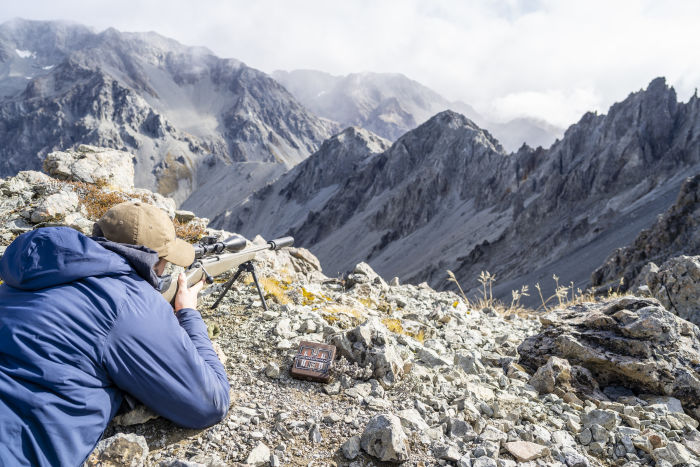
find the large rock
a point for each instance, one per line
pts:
(119, 450)
(384, 439)
(91, 164)
(370, 346)
(55, 207)
(260, 455)
(559, 377)
(556, 372)
(676, 284)
(629, 341)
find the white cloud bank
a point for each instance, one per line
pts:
(551, 59)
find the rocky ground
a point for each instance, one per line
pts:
(422, 378)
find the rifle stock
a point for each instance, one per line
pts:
(217, 264)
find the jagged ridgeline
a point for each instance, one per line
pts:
(188, 116)
(447, 196)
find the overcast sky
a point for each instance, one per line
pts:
(552, 59)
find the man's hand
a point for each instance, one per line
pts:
(186, 297)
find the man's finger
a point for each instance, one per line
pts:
(182, 280)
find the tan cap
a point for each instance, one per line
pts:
(138, 223)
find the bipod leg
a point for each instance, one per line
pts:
(257, 284)
(227, 286)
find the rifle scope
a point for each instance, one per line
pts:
(208, 246)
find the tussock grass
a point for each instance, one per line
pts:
(189, 231)
(564, 296)
(97, 200)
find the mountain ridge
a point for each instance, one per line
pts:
(447, 196)
(187, 107)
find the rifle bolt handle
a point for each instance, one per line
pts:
(207, 277)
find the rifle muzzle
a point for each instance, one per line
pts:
(279, 243)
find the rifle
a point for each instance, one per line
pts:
(213, 258)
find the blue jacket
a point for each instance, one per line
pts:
(79, 328)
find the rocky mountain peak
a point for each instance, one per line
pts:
(286, 203)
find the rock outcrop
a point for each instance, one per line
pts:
(676, 284)
(676, 232)
(90, 164)
(82, 194)
(629, 341)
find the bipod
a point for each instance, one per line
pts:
(245, 267)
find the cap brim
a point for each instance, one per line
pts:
(179, 252)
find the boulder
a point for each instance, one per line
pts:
(119, 450)
(90, 164)
(55, 207)
(306, 257)
(629, 341)
(676, 284)
(369, 346)
(412, 420)
(351, 448)
(674, 454)
(555, 373)
(384, 439)
(364, 274)
(184, 216)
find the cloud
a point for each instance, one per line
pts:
(545, 58)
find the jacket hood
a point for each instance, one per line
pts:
(52, 256)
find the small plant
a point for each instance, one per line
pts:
(567, 295)
(486, 279)
(97, 200)
(451, 278)
(517, 295)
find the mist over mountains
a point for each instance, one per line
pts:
(410, 187)
(390, 104)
